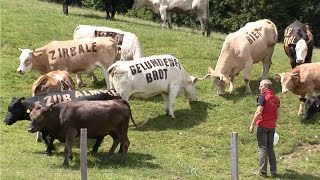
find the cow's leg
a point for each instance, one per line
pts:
(115, 143)
(166, 101)
(231, 86)
(94, 79)
(247, 74)
(65, 6)
(97, 144)
(169, 20)
(79, 80)
(266, 63)
(173, 92)
(48, 140)
(163, 14)
(124, 143)
(71, 134)
(106, 76)
(302, 104)
(39, 137)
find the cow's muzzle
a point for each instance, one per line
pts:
(20, 71)
(299, 61)
(32, 129)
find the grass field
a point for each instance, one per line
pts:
(196, 145)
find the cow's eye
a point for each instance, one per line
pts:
(27, 60)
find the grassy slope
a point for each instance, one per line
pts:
(194, 146)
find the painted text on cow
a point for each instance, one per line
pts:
(155, 74)
(253, 35)
(72, 51)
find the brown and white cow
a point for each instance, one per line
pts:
(66, 119)
(74, 56)
(303, 80)
(53, 81)
(298, 43)
(166, 7)
(252, 43)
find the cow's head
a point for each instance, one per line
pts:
(219, 80)
(25, 61)
(301, 51)
(38, 117)
(16, 111)
(287, 80)
(190, 89)
(312, 106)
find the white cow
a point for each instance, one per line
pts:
(149, 76)
(74, 56)
(128, 42)
(252, 43)
(166, 7)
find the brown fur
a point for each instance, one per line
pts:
(101, 118)
(48, 83)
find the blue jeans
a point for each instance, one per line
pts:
(265, 143)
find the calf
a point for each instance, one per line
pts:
(74, 56)
(101, 118)
(249, 45)
(302, 80)
(149, 76)
(53, 81)
(312, 106)
(298, 43)
(20, 108)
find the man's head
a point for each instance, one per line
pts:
(264, 85)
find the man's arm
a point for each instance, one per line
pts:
(256, 116)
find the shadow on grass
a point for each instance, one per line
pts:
(101, 160)
(312, 120)
(185, 118)
(91, 16)
(292, 174)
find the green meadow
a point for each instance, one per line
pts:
(195, 145)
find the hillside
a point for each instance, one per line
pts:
(196, 145)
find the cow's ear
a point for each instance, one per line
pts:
(295, 76)
(49, 108)
(277, 78)
(21, 100)
(194, 79)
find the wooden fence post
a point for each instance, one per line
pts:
(234, 156)
(83, 153)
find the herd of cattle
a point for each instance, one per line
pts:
(59, 111)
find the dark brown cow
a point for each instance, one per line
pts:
(101, 118)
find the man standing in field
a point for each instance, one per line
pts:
(265, 118)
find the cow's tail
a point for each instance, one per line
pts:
(126, 102)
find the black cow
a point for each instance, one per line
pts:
(19, 108)
(298, 43)
(312, 106)
(110, 6)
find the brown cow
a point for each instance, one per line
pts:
(101, 118)
(53, 81)
(75, 56)
(302, 80)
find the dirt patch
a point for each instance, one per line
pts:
(301, 151)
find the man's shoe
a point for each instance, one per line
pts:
(263, 174)
(273, 174)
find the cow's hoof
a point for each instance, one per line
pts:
(48, 153)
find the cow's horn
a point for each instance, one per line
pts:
(205, 77)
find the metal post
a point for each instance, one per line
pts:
(234, 156)
(83, 153)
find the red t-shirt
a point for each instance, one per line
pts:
(270, 103)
